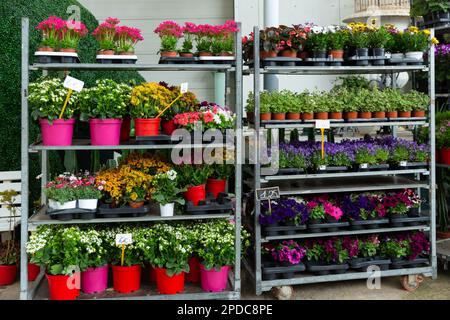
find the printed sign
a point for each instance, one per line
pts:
(322, 124)
(268, 193)
(124, 238)
(184, 87)
(74, 84)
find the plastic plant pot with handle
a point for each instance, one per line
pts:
(33, 271)
(213, 280)
(169, 285)
(147, 127)
(215, 186)
(63, 287)
(94, 280)
(126, 278)
(196, 194)
(57, 133)
(105, 132)
(168, 126)
(8, 274)
(193, 276)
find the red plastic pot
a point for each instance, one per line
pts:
(168, 126)
(33, 271)
(265, 116)
(126, 278)
(215, 186)
(8, 274)
(147, 127)
(293, 115)
(152, 274)
(193, 276)
(418, 113)
(196, 194)
(169, 285)
(444, 155)
(404, 114)
(125, 129)
(63, 287)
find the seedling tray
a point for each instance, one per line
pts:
(326, 227)
(418, 262)
(56, 57)
(222, 204)
(286, 272)
(367, 224)
(70, 214)
(361, 264)
(104, 211)
(116, 59)
(321, 62)
(408, 221)
(324, 269)
(282, 230)
(152, 140)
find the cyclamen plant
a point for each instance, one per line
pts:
(289, 252)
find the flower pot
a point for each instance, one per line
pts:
(418, 113)
(169, 53)
(126, 278)
(321, 54)
(8, 274)
(414, 55)
(362, 52)
(303, 55)
(350, 115)
(33, 271)
(278, 116)
(364, 114)
(212, 280)
(106, 52)
(45, 49)
(169, 285)
(94, 280)
(379, 114)
(152, 274)
(186, 54)
(195, 194)
(58, 133)
(378, 52)
(136, 204)
(72, 50)
(443, 234)
(288, 53)
(147, 127)
(215, 186)
(337, 54)
(168, 126)
(265, 116)
(397, 55)
(307, 116)
(444, 155)
(62, 287)
(167, 209)
(335, 115)
(392, 114)
(126, 53)
(125, 129)
(225, 54)
(55, 205)
(105, 132)
(267, 54)
(90, 204)
(321, 115)
(205, 54)
(293, 115)
(404, 114)
(250, 116)
(193, 276)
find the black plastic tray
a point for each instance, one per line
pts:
(320, 62)
(324, 269)
(327, 227)
(277, 61)
(374, 167)
(367, 224)
(418, 262)
(117, 61)
(70, 214)
(223, 204)
(282, 230)
(151, 140)
(177, 60)
(333, 169)
(286, 272)
(410, 165)
(361, 264)
(57, 59)
(404, 61)
(408, 221)
(285, 171)
(104, 211)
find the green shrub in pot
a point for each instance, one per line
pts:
(378, 38)
(306, 101)
(321, 102)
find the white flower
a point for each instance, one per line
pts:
(100, 188)
(171, 174)
(39, 177)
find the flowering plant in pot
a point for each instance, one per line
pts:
(292, 101)
(322, 105)
(316, 212)
(147, 101)
(416, 42)
(414, 202)
(223, 40)
(46, 98)
(359, 38)
(88, 192)
(269, 42)
(167, 192)
(216, 182)
(103, 106)
(335, 105)
(216, 117)
(264, 109)
(194, 177)
(443, 141)
(396, 204)
(337, 40)
(62, 192)
(395, 44)
(9, 249)
(277, 107)
(71, 34)
(317, 41)
(419, 245)
(50, 29)
(126, 39)
(169, 32)
(326, 251)
(394, 248)
(204, 34)
(294, 38)
(369, 247)
(420, 102)
(377, 40)
(288, 253)
(105, 34)
(188, 30)
(294, 156)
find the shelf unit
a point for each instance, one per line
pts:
(300, 184)
(233, 77)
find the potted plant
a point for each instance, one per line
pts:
(289, 253)
(336, 105)
(148, 100)
(167, 192)
(269, 42)
(364, 109)
(308, 105)
(62, 192)
(169, 32)
(46, 99)
(276, 104)
(293, 104)
(189, 30)
(359, 39)
(443, 141)
(287, 48)
(377, 100)
(327, 254)
(105, 34)
(87, 192)
(317, 42)
(396, 204)
(364, 155)
(322, 106)
(216, 183)
(395, 44)
(223, 40)
(9, 250)
(316, 212)
(350, 106)
(394, 248)
(71, 34)
(391, 97)
(126, 39)
(203, 35)
(420, 102)
(338, 38)
(264, 108)
(103, 106)
(377, 40)
(440, 9)
(194, 177)
(416, 42)
(50, 29)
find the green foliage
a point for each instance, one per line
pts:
(378, 38)
(317, 41)
(395, 248)
(193, 175)
(88, 192)
(415, 41)
(337, 40)
(351, 83)
(62, 195)
(360, 40)
(222, 171)
(166, 188)
(169, 43)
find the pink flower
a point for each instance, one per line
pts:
(208, 117)
(169, 28)
(312, 204)
(60, 186)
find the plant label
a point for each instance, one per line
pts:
(364, 165)
(322, 124)
(322, 167)
(74, 84)
(124, 238)
(184, 87)
(403, 163)
(268, 193)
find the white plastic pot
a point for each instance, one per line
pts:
(167, 209)
(397, 55)
(416, 55)
(90, 204)
(55, 205)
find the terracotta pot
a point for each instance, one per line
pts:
(225, 54)
(392, 114)
(293, 115)
(418, 113)
(404, 114)
(335, 115)
(278, 116)
(365, 114)
(288, 53)
(186, 54)
(126, 53)
(379, 114)
(337, 54)
(303, 55)
(267, 54)
(68, 50)
(443, 234)
(46, 49)
(205, 54)
(135, 204)
(106, 52)
(321, 115)
(265, 116)
(307, 116)
(350, 115)
(169, 53)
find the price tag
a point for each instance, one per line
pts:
(74, 84)
(268, 193)
(403, 163)
(184, 87)
(322, 124)
(363, 165)
(124, 238)
(322, 167)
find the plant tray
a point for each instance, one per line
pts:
(56, 57)
(104, 211)
(217, 60)
(286, 272)
(367, 224)
(177, 60)
(410, 165)
(223, 204)
(408, 221)
(418, 262)
(282, 230)
(151, 140)
(277, 61)
(285, 171)
(361, 264)
(374, 120)
(70, 214)
(321, 62)
(116, 59)
(368, 60)
(374, 167)
(331, 169)
(404, 61)
(326, 227)
(324, 269)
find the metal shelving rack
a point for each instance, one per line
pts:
(232, 74)
(338, 182)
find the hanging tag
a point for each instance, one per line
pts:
(124, 238)
(184, 87)
(74, 84)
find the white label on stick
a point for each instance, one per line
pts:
(74, 84)
(184, 87)
(363, 165)
(124, 238)
(322, 124)
(403, 163)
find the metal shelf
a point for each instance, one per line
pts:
(441, 165)
(330, 70)
(343, 233)
(292, 124)
(130, 67)
(442, 95)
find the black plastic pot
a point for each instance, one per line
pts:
(223, 204)
(286, 271)
(324, 269)
(378, 52)
(362, 52)
(367, 224)
(413, 212)
(405, 220)
(325, 226)
(278, 229)
(410, 165)
(372, 167)
(332, 169)
(403, 263)
(104, 211)
(70, 214)
(320, 54)
(361, 264)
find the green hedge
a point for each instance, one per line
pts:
(12, 12)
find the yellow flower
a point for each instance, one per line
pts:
(427, 32)
(434, 41)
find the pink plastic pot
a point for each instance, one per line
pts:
(212, 280)
(94, 280)
(58, 133)
(105, 132)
